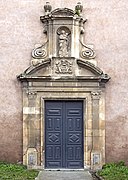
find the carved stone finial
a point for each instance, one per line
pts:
(47, 8)
(78, 8)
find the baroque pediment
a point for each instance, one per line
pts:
(61, 68)
(64, 54)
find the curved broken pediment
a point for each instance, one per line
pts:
(35, 71)
(61, 68)
(64, 55)
(91, 67)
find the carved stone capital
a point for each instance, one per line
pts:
(95, 94)
(31, 94)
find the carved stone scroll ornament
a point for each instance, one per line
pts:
(63, 67)
(87, 52)
(40, 52)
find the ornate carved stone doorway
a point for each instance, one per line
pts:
(63, 68)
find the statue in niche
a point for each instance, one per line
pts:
(63, 44)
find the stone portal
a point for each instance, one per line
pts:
(64, 70)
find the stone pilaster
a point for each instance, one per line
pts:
(31, 114)
(31, 156)
(96, 157)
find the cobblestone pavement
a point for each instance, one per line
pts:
(64, 175)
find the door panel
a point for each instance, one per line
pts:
(64, 134)
(53, 135)
(74, 134)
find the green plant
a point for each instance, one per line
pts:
(114, 171)
(10, 171)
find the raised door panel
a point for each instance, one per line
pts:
(74, 135)
(53, 135)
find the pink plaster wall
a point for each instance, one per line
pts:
(21, 29)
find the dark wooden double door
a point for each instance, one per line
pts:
(64, 134)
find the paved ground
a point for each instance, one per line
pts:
(64, 175)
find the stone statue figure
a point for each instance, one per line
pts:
(63, 44)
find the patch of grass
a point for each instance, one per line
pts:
(10, 171)
(114, 171)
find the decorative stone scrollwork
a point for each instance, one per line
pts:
(40, 52)
(63, 67)
(87, 52)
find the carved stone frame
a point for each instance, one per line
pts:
(72, 76)
(94, 121)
